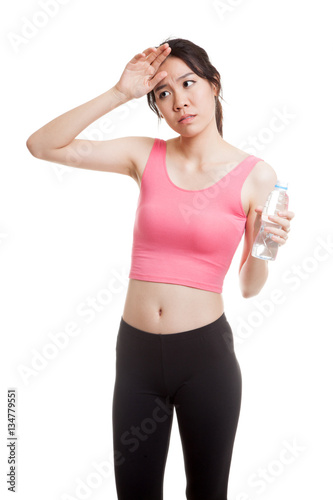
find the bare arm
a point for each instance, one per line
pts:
(56, 141)
(61, 131)
(253, 272)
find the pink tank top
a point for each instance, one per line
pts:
(187, 237)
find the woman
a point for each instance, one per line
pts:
(198, 194)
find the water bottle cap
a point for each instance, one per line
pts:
(281, 184)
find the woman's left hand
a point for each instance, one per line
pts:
(283, 219)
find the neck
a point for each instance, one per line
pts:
(201, 148)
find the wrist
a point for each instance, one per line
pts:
(119, 95)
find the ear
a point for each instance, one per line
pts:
(215, 89)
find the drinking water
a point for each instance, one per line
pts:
(264, 247)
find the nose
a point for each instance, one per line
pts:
(180, 101)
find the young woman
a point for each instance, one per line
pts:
(198, 194)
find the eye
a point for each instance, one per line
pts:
(186, 81)
(160, 96)
(189, 81)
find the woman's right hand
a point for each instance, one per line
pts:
(140, 74)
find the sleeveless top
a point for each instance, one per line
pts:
(187, 237)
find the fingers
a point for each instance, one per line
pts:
(281, 221)
(157, 56)
(157, 78)
(259, 208)
(154, 56)
(279, 234)
(287, 214)
(158, 50)
(160, 57)
(142, 55)
(149, 51)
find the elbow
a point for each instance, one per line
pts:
(247, 294)
(251, 285)
(32, 148)
(251, 289)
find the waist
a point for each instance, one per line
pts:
(168, 308)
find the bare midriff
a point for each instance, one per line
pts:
(167, 308)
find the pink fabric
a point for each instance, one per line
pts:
(187, 237)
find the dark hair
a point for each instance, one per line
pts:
(197, 59)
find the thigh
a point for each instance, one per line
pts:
(142, 419)
(208, 408)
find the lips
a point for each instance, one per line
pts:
(185, 116)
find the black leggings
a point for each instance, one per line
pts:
(197, 373)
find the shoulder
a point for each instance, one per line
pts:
(263, 172)
(142, 144)
(262, 180)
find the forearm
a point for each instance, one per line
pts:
(253, 275)
(62, 130)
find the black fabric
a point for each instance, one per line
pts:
(194, 374)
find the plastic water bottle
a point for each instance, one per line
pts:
(264, 247)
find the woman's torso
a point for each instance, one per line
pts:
(164, 307)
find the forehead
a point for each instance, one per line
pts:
(174, 66)
(174, 62)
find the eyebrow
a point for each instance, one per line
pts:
(162, 86)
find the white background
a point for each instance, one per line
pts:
(66, 235)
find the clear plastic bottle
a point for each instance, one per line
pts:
(264, 247)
